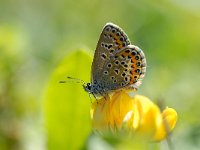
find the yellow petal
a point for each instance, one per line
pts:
(137, 115)
(149, 113)
(165, 124)
(170, 115)
(121, 104)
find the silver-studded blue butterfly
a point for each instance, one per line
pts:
(117, 64)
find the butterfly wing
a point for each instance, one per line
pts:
(125, 69)
(111, 40)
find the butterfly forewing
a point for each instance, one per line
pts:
(111, 40)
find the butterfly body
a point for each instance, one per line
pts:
(117, 64)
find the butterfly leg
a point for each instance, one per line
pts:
(95, 97)
(90, 98)
(105, 95)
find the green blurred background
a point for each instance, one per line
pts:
(41, 42)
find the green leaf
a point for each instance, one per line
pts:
(67, 106)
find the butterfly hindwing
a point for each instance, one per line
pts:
(125, 68)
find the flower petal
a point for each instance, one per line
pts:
(137, 115)
(149, 113)
(165, 124)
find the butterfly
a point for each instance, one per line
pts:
(117, 64)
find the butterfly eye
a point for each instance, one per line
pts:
(88, 87)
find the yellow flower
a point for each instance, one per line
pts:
(137, 115)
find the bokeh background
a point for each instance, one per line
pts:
(42, 42)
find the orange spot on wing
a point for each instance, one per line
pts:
(118, 41)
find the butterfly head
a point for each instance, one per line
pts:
(87, 87)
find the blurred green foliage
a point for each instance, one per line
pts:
(37, 41)
(67, 115)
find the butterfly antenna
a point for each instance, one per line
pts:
(78, 80)
(62, 81)
(74, 79)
